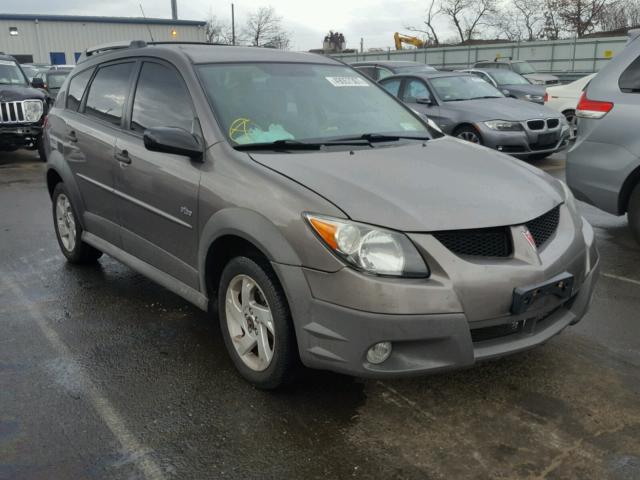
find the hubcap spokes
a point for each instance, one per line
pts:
(250, 322)
(66, 223)
(469, 137)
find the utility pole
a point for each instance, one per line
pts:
(233, 26)
(361, 45)
(174, 9)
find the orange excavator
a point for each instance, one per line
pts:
(400, 38)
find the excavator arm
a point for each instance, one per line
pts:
(400, 38)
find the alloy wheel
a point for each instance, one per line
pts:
(250, 322)
(469, 136)
(66, 222)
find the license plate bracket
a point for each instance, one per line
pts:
(547, 139)
(560, 286)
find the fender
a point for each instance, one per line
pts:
(250, 226)
(56, 163)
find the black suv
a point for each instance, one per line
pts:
(22, 109)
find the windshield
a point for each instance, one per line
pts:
(30, 71)
(55, 80)
(463, 87)
(267, 102)
(507, 77)
(523, 68)
(415, 69)
(10, 73)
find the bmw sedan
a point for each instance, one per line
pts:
(510, 83)
(469, 108)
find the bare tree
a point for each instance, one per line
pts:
(507, 24)
(580, 17)
(264, 28)
(467, 15)
(530, 16)
(429, 28)
(619, 15)
(552, 27)
(217, 31)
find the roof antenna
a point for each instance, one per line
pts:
(145, 17)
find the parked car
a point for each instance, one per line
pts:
(22, 109)
(322, 220)
(377, 70)
(603, 167)
(521, 67)
(469, 108)
(53, 80)
(564, 98)
(510, 84)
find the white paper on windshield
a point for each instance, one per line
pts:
(347, 81)
(7, 62)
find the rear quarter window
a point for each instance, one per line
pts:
(77, 86)
(629, 81)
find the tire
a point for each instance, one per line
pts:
(69, 230)
(469, 134)
(633, 212)
(248, 292)
(41, 151)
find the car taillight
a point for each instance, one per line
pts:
(588, 108)
(546, 97)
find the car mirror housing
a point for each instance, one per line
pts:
(37, 83)
(424, 101)
(172, 140)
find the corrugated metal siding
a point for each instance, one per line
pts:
(41, 38)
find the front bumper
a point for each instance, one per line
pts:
(525, 143)
(22, 135)
(456, 322)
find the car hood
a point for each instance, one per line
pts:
(500, 109)
(524, 89)
(448, 184)
(12, 93)
(540, 76)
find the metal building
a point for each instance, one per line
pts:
(60, 39)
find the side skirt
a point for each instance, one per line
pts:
(149, 271)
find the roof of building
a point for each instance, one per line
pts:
(85, 19)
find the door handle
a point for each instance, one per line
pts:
(72, 137)
(123, 156)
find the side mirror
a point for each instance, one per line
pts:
(37, 83)
(424, 100)
(172, 140)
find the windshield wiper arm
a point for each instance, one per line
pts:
(279, 145)
(376, 137)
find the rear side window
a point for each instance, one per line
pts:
(368, 71)
(108, 92)
(77, 86)
(383, 73)
(161, 100)
(629, 81)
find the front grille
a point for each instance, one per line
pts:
(535, 124)
(11, 112)
(553, 122)
(543, 227)
(526, 326)
(485, 242)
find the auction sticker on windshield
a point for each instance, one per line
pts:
(7, 62)
(347, 81)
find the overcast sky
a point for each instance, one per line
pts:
(308, 21)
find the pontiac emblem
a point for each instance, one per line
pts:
(530, 239)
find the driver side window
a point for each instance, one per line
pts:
(415, 89)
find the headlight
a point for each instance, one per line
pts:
(569, 199)
(503, 125)
(32, 110)
(369, 249)
(533, 98)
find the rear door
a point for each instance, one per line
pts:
(158, 192)
(93, 119)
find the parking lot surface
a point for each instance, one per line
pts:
(104, 374)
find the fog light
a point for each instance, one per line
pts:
(379, 352)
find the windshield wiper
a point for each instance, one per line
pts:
(375, 137)
(486, 96)
(279, 145)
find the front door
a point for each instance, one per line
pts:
(158, 192)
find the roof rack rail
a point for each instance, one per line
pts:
(107, 47)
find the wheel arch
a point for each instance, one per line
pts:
(629, 184)
(235, 230)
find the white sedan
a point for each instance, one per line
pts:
(564, 98)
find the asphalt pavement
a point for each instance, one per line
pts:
(106, 375)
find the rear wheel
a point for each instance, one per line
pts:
(633, 212)
(256, 323)
(69, 230)
(469, 134)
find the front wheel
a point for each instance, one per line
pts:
(469, 134)
(256, 323)
(68, 229)
(633, 212)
